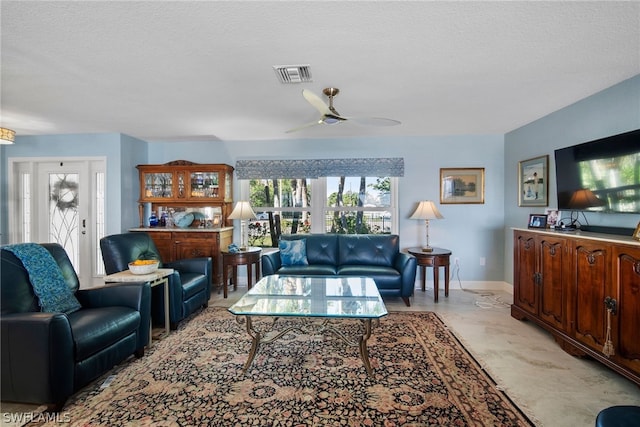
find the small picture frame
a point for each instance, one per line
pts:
(636, 233)
(537, 221)
(533, 182)
(553, 217)
(461, 185)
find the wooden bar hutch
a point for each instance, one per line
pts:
(204, 190)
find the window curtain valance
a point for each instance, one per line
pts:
(315, 168)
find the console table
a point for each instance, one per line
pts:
(437, 258)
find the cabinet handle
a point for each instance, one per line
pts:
(611, 305)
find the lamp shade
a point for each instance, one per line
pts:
(426, 210)
(242, 210)
(584, 198)
(7, 136)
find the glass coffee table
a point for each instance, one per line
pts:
(321, 303)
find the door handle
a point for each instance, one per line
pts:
(84, 226)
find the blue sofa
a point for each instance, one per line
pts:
(372, 255)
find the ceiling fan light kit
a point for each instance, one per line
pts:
(330, 116)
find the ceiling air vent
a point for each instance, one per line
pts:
(293, 73)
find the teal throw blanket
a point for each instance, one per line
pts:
(47, 281)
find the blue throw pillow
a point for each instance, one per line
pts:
(293, 252)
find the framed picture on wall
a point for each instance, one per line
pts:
(533, 182)
(461, 185)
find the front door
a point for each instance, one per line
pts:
(63, 203)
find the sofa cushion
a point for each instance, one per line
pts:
(308, 270)
(293, 252)
(192, 283)
(367, 249)
(385, 277)
(321, 248)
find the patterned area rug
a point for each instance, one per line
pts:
(422, 377)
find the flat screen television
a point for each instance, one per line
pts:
(609, 167)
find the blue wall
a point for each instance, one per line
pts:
(609, 112)
(470, 231)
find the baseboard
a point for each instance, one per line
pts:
(480, 285)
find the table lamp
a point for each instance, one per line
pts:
(426, 210)
(242, 211)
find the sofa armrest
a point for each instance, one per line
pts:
(406, 265)
(37, 357)
(271, 263)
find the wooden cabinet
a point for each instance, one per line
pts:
(590, 278)
(625, 292)
(585, 290)
(181, 184)
(539, 265)
(175, 244)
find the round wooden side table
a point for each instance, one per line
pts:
(437, 258)
(249, 257)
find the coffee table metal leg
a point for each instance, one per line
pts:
(255, 343)
(364, 351)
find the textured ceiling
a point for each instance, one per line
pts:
(187, 70)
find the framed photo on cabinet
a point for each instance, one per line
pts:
(533, 182)
(461, 185)
(636, 234)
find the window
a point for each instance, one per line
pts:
(346, 205)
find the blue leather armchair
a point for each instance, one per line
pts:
(189, 285)
(372, 255)
(46, 357)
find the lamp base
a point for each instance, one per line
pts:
(427, 249)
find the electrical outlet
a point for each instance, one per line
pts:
(483, 261)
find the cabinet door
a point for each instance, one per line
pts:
(590, 279)
(204, 185)
(193, 245)
(552, 300)
(525, 277)
(157, 185)
(626, 323)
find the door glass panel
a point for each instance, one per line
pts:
(100, 223)
(63, 214)
(25, 204)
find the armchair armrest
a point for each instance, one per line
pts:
(192, 265)
(37, 357)
(406, 265)
(271, 263)
(135, 295)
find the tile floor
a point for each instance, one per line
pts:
(553, 388)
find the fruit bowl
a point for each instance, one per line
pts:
(143, 266)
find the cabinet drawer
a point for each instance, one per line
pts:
(193, 236)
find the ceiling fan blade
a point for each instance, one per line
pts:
(308, 125)
(374, 121)
(316, 101)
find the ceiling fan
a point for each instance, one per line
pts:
(330, 116)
